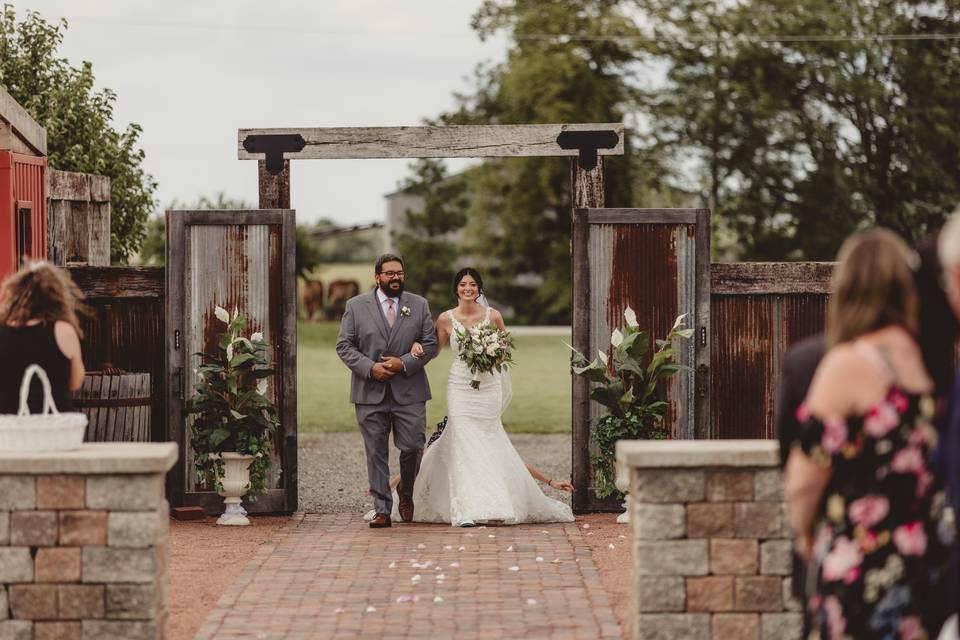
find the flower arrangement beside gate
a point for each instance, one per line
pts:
(234, 421)
(630, 391)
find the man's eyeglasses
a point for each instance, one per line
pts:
(392, 274)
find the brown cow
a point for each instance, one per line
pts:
(311, 299)
(338, 293)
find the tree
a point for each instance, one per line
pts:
(519, 216)
(427, 244)
(77, 118)
(803, 136)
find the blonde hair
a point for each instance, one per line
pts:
(872, 286)
(41, 291)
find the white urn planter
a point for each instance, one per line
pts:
(623, 483)
(236, 480)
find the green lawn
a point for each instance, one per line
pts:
(541, 384)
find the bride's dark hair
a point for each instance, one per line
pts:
(467, 271)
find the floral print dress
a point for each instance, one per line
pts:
(880, 545)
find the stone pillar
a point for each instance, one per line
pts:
(83, 542)
(710, 539)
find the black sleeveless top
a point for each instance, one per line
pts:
(19, 348)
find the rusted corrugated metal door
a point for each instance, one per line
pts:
(23, 210)
(656, 261)
(242, 260)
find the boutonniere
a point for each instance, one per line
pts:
(405, 311)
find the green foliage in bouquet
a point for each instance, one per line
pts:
(231, 410)
(630, 390)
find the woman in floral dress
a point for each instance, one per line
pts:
(866, 509)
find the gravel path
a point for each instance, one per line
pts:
(333, 472)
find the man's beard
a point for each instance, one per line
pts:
(391, 293)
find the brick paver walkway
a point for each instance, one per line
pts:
(330, 576)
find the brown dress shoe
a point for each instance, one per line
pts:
(380, 521)
(406, 509)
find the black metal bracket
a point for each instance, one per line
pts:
(588, 142)
(274, 146)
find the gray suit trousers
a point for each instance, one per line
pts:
(408, 423)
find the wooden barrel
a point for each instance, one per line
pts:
(117, 405)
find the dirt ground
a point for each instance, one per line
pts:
(205, 559)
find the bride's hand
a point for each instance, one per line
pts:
(562, 485)
(416, 350)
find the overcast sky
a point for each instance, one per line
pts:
(192, 73)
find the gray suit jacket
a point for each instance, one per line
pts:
(365, 336)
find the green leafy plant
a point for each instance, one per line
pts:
(231, 409)
(630, 390)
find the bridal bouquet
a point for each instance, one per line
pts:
(485, 349)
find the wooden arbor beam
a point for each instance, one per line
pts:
(275, 147)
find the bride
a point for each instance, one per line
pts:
(472, 474)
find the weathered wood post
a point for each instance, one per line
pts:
(274, 187)
(586, 193)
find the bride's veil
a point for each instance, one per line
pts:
(506, 387)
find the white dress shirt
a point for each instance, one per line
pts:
(382, 297)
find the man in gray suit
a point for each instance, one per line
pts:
(389, 388)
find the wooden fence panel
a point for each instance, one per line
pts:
(78, 214)
(125, 330)
(758, 310)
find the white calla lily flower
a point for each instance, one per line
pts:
(257, 337)
(262, 386)
(229, 352)
(221, 314)
(236, 312)
(616, 338)
(603, 357)
(631, 317)
(679, 320)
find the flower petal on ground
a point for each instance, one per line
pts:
(539, 558)
(610, 546)
(415, 578)
(510, 548)
(462, 548)
(421, 546)
(586, 526)
(447, 547)
(514, 569)
(338, 610)
(438, 599)
(455, 564)
(531, 601)
(392, 565)
(371, 609)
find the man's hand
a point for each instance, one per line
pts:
(381, 371)
(392, 363)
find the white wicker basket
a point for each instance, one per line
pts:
(47, 431)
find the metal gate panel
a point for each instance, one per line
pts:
(655, 261)
(238, 260)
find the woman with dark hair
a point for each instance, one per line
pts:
(39, 325)
(864, 503)
(472, 474)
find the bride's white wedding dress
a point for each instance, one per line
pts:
(472, 473)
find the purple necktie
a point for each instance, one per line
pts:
(391, 315)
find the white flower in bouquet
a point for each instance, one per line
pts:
(221, 314)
